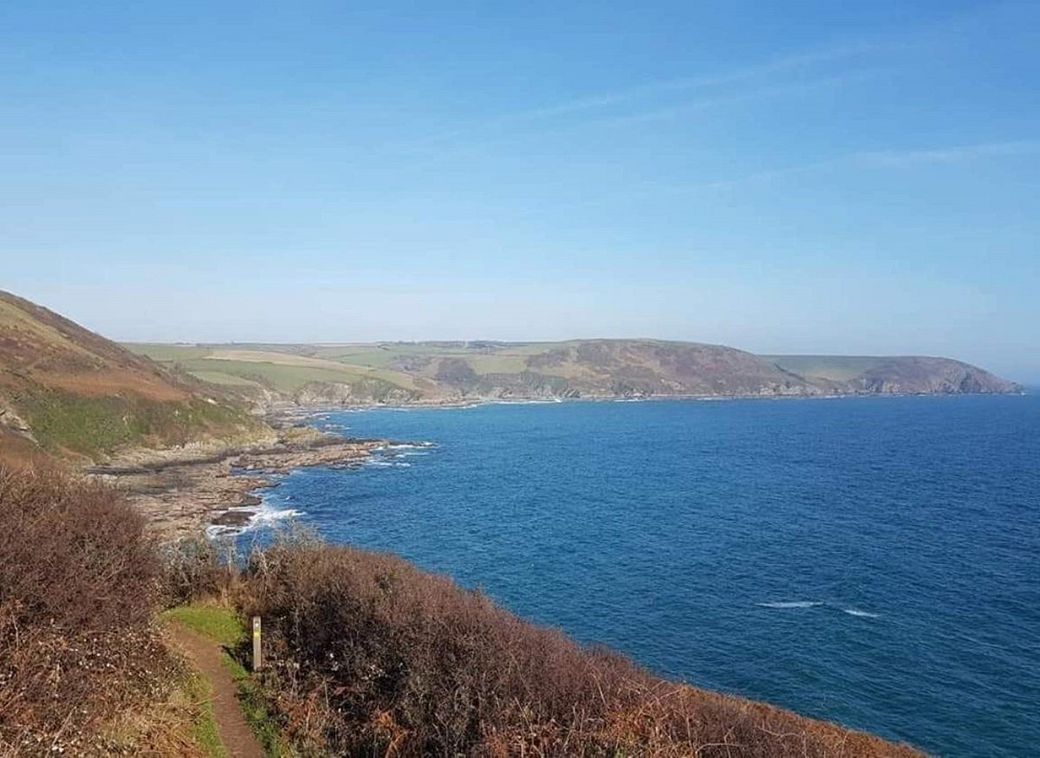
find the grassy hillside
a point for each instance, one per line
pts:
(286, 371)
(70, 392)
(452, 371)
(894, 374)
(838, 368)
(478, 370)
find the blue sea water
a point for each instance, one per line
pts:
(871, 561)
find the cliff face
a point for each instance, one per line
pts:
(341, 393)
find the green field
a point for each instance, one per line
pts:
(839, 368)
(287, 369)
(166, 353)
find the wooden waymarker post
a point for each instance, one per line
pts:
(257, 657)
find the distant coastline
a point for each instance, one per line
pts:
(462, 373)
(303, 412)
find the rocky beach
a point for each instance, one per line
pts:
(182, 492)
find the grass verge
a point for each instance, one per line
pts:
(204, 731)
(213, 621)
(254, 707)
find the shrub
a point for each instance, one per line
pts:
(195, 568)
(369, 656)
(77, 583)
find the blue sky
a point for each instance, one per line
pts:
(789, 177)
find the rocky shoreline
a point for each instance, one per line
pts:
(213, 487)
(311, 409)
(182, 493)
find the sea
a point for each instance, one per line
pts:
(871, 561)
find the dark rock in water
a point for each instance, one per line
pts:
(233, 518)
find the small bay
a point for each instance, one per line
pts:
(871, 561)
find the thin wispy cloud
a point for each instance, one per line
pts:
(686, 108)
(648, 101)
(767, 175)
(752, 95)
(794, 64)
(955, 154)
(889, 158)
(748, 73)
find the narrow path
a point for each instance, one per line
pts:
(206, 654)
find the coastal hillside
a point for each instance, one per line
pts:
(67, 391)
(434, 372)
(903, 375)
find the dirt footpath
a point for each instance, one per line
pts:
(206, 654)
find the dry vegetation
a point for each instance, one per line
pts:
(83, 669)
(372, 657)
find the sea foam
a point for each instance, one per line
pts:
(862, 614)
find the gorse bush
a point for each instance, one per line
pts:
(77, 581)
(369, 656)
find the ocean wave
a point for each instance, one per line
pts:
(390, 454)
(862, 614)
(260, 516)
(266, 515)
(792, 604)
